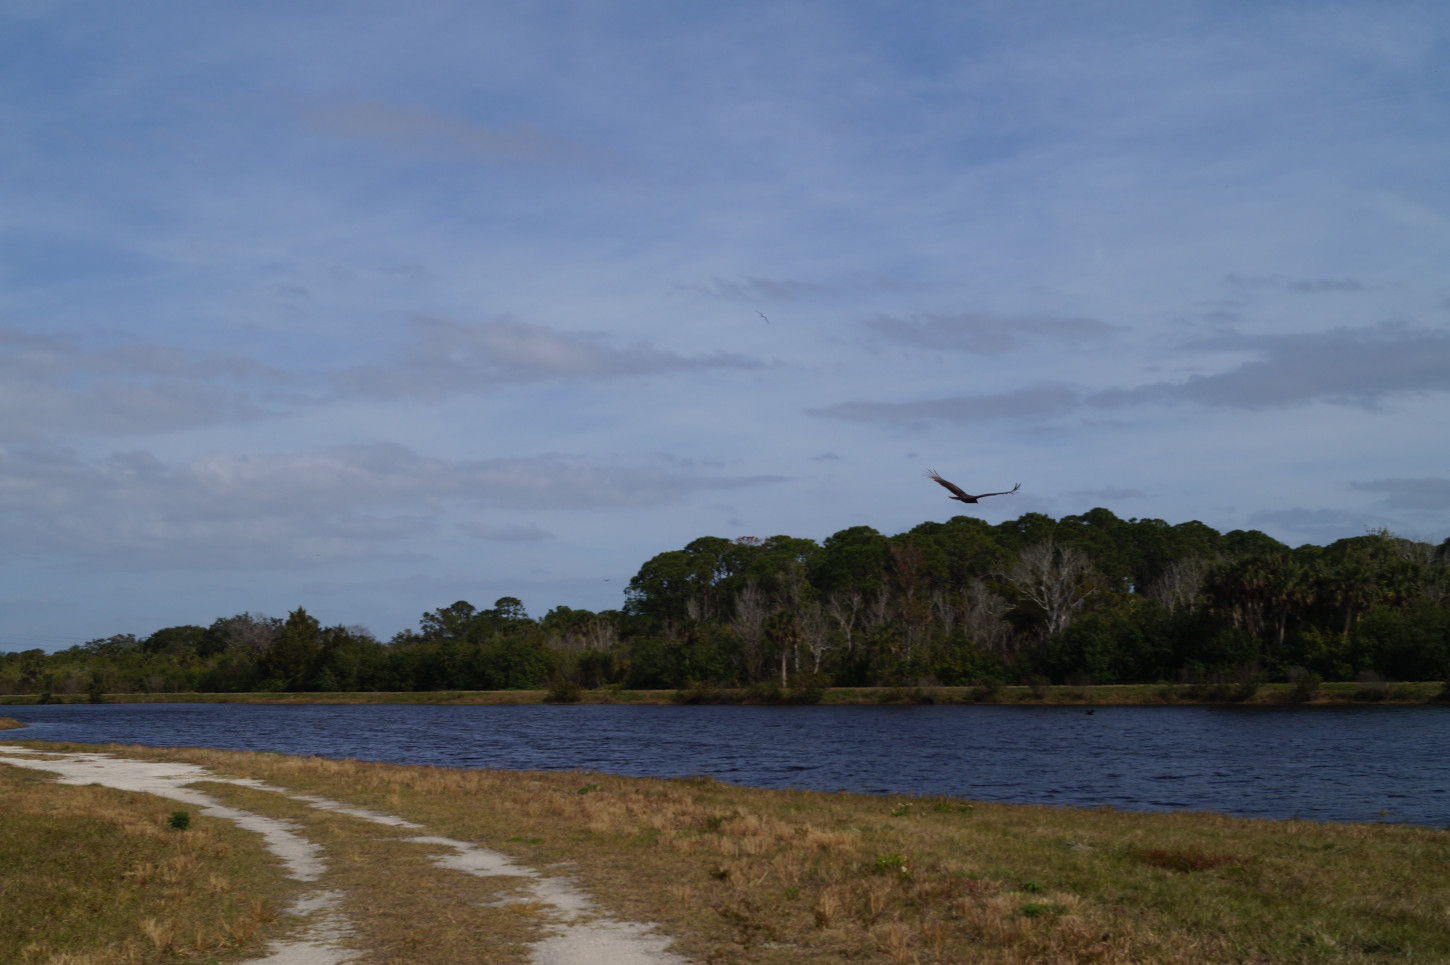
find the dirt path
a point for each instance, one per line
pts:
(578, 935)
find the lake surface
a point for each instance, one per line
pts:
(1325, 764)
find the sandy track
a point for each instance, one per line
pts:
(579, 936)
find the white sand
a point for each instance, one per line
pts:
(578, 936)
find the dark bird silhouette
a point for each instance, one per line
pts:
(762, 315)
(960, 496)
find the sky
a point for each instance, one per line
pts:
(370, 307)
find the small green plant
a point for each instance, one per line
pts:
(1039, 909)
(901, 810)
(952, 807)
(590, 789)
(793, 893)
(892, 864)
(179, 821)
(1032, 887)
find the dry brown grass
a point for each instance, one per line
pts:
(94, 876)
(402, 907)
(745, 875)
(10, 723)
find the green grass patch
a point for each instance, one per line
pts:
(97, 876)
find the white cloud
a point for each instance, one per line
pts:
(1363, 367)
(446, 357)
(70, 384)
(233, 509)
(507, 533)
(981, 333)
(1320, 526)
(1035, 402)
(1426, 492)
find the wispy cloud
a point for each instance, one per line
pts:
(235, 509)
(422, 131)
(762, 289)
(754, 288)
(1426, 492)
(1280, 282)
(446, 357)
(1348, 366)
(1110, 493)
(981, 333)
(1036, 402)
(506, 533)
(1363, 367)
(1315, 525)
(75, 384)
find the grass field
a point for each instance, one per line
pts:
(97, 876)
(735, 874)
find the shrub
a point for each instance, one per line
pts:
(564, 691)
(764, 692)
(808, 688)
(699, 692)
(1371, 687)
(179, 821)
(1307, 687)
(987, 688)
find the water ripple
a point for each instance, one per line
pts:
(1329, 764)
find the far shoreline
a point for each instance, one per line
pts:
(1040, 695)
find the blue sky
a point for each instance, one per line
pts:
(372, 307)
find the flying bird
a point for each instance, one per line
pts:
(960, 496)
(762, 315)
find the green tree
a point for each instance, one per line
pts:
(287, 663)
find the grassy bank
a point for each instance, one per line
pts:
(747, 875)
(1108, 695)
(97, 876)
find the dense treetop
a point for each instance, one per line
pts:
(1089, 598)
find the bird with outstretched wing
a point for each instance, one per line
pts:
(963, 497)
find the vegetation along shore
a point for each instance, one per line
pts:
(1304, 692)
(1033, 602)
(728, 874)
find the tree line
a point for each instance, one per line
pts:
(1078, 600)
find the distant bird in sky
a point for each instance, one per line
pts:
(960, 496)
(762, 315)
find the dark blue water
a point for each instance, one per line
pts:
(1326, 764)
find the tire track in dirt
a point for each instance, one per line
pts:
(578, 934)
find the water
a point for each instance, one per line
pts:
(1326, 764)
